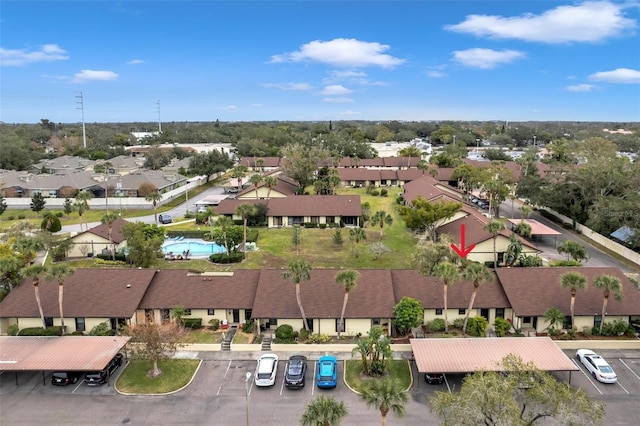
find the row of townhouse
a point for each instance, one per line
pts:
(132, 296)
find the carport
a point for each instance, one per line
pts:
(537, 229)
(485, 354)
(63, 353)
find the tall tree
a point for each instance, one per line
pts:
(59, 272)
(323, 411)
(356, 235)
(238, 173)
(348, 279)
(297, 271)
(494, 227)
(108, 219)
(448, 273)
(574, 281)
(34, 272)
(270, 182)
(608, 284)
(478, 273)
(81, 205)
(224, 222)
(255, 179)
(301, 162)
(154, 197)
(38, 202)
(245, 210)
(144, 241)
(386, 395)
(426, 216)
(156, 342)
(381, 218)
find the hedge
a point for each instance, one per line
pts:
(39, 331)
(192, 322)
(223, 258)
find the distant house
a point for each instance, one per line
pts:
(96, 240)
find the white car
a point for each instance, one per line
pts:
(266, 370)
(597, 366)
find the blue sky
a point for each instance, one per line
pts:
(319, 60)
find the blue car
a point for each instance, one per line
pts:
(327, 374)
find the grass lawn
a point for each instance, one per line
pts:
(242, 338)
(398, 369)
(203, 335)
(176, 373)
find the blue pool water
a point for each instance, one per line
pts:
(197, 248)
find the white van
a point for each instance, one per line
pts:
(266, 370)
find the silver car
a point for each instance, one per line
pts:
(597, 366)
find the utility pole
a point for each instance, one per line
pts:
(84, 132)
(159, 122)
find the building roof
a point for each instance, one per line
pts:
(102, 230)
(63, 353)
(92, 293)
(531, 291)
(537, 228)
(428, 188)
(175, 287)
(300, 205)
(484, 354)
(267, 162)
(322, 297)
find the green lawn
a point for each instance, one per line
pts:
(398, 369)
(176, 373)
(203, 335)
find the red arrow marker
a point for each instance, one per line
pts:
(462, 252)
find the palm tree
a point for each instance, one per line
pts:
(514, 250)
(10, 270)
(323, 411)
(224, 222)
(423, 165)
(494, 227)
(260, 164)
(28, 247)
(381, 218)
(255, 179)
(270, 182)
(59, 272)
(349, 279)
(109, 218)
(82, 204)
(245, 210)
(478, 273)
(154, 197)
(573, 250)
(34, 272)
(554, 316)
(298, 271)
(238, 173)
(448, 273)
(385, 395)
(573, 281)
(608, 284)
(356, 235)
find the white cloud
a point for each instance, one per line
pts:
(85, 76)
(486, 58)
(135, 62)
(620, 75)
(436, 74)
(342, 52)
(229, 108)
(20, 57)
(338, 100)
(350, 113)
(257, 105)
(588, 22)
(335, 89)
(580, 88)
(288, 86)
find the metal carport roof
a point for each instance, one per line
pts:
(58, 353)
(465, 355)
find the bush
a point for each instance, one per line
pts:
(119, 257)
(10, 217)
(39, 331)
(303, 334)
(318, 339)
(323, 226)
(252, 235)
(530, 261)
(564, 263)
(193, 323)
(76, 333)
(501, 326)
(477, 327)
(214, 323)
(249, 326)
(284, 334)
(375, 193)
(59, 214)
(384, 192)
(369, 190)
(458, 323)
(436, 325)
(13, 330)
(310, 225)
(587, 331)
(224, 258)
(21, 216)
(102, 329)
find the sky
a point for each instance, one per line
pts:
(163, 61)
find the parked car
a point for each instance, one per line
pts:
(266, 370)
(63, 378)
(164, 218)
(95, 378)
(597, 366)
(295, 373)
(434, 378)
(327, 375)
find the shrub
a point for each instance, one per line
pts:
(13, 330)
(323, 226)
(400, 199)
(59, 214)
(337, 237)
(248, 327)
(303, 334)
(223, 258)
(10, 217)
(458, 322)
(436, 325)
(375, 193)
(564, 263)
(318, 339)
(586, 331)
(384, 192)
(284, 334)
(369, 190)
(214, 323)
(252, 235)
(192, 323)
(119, 257)
(530, 261)
(310, 225)
(102, 329)
(501, 326)
(39, 331)
(76, 333)
(477, 327)
(21, 216)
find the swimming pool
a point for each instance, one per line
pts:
(196, 248)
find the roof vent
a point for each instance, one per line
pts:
(128, 285)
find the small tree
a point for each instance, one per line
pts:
(378, 249)
(50, 223)
(178, 313)
(478, 273)
(408, 313)
(154, 197)
(156, 342)
(448, 273)
(554, 316)
(3, 204)
(494, 228)
(68, 206)
(337, 237)
(374, 350)
(385, 395)
(381, 218)
(356, 235)
(38, 202)
(573, 250)
(323, 411)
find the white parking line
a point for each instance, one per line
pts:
(77, 387)
(629, 368)
(313, 388)
(225, 376)
(618, 382)
(282, 385)
(586, 375)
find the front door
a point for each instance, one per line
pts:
(236, 315)
(484, 313)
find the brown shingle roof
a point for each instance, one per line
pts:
(175, 287)
(102, 230)
(531, 291)
(301, 205)
(87, 293)
(425, 187)
(322, 297)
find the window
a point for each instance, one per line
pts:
(526, 320)
(439, 311)
(80, 326)
(211, 311)
(500, 257)
(148, 314)
(295, 220)
(273, 321)
(500, 312)
(340, 327)
(315, 219)
(187, 311)
(375, 321)
(48, 322)
(165, 315)
(597, 319)
(331, 219)
(462, 311)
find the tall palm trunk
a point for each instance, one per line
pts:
(604, 310)
(495, 254)
(299, 300)
(446, 322)
(383, 415)
(36, 290)
(344, 308)
(244, 245)
(573, 302)
(60, 295)
(473, 298)
(113, 246)
(224, 237)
